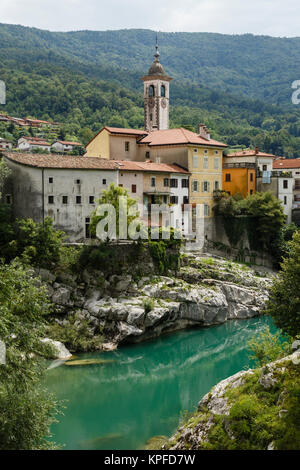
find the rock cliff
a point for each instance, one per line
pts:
(127, 308)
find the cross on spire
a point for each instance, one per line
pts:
(157, 54)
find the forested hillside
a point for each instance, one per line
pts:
(240, 86)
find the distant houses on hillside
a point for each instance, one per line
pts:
(29, 144)
(27, 122)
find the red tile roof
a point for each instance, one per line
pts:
(151, 167)
(286, 163)
(250, 153)
(38, 139)
(119, 130)
(63, 162)
(179, 136)
(90, 163)
(68, 143)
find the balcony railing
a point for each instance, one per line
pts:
(275, 174)
(239, 165)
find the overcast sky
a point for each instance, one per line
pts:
(270, 17)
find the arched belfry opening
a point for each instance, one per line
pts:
(151, 91)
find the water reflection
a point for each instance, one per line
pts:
(122, 404)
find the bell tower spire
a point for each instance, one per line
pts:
(156, 95)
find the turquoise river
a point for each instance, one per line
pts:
(146, 388)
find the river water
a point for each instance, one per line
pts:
(147, 387)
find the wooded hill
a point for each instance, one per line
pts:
(240, 86)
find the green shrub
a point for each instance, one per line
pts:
(77, 335)
(267, 347)
(149, 305)
(27, 410)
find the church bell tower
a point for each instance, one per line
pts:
(156, 96)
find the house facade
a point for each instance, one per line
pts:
(67, 188)
(252, 171)
(63, 146)
(27, 144)
(64, 188)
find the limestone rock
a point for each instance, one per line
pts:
(62, 352)
(109, 347)
(46, 275)
(61, 296)
(126, 331)
(155, 316)
(136, 316)
(267, 379)
(296, 345)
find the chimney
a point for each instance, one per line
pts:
(256, 150)
(204, 132)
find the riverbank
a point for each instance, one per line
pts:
(251, 410)
(95, 311)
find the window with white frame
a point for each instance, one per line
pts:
(205, 163)
(195, 161)
(195, 186)
(205, 187)
(216, 164)
(217, 186)
(206, 210)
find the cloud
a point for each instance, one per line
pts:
(270, 17)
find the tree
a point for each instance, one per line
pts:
(268, 217)
(284, 300)
(38, 244)
(118, 198)
(264, 219)
(26, 409)
(4, 173)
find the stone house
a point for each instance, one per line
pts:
(67, 188)
(27, 144)
(63, 188)
(63, 146)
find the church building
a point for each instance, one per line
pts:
(197, 153)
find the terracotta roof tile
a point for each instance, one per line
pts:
(177, 137)
(68, 143)
(90, 163)
(119, 130)
(150, 166)
(286, 163)
(63, 162)
(250, 153)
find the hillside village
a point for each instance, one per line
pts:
(80, 364)
(57, 178)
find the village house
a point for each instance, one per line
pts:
(291, 166)
(67, 188)
(64, 188)
(251, 171)
(28, 144)
(63, 146)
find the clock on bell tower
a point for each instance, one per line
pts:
(156, 96)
